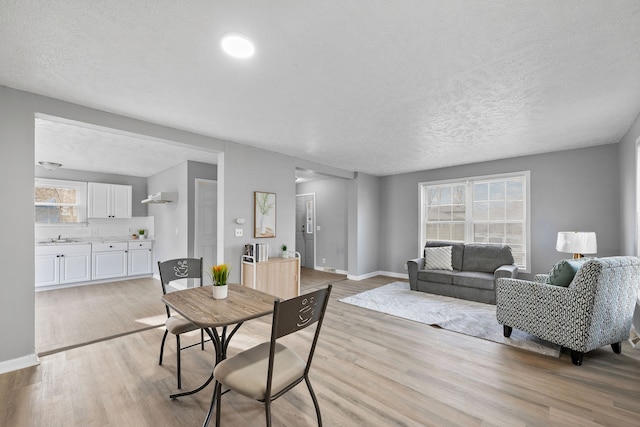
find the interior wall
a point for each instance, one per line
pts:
(363, 222)
(171, 219)
(17, 144)
(573, 190)
(17, 309)
(245, 170)
(628, 185)
(331, 217)
(138, 184)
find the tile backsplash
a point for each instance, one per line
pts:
(96, 227)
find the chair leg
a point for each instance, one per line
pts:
(267, 411)
(617, 347)
(506, 330)
(164, 337)
(576, 357)
(178, 374)
(217, 388)
(315, 401)
(202, 339)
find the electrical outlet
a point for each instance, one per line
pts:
(405, 266)
(324, 260)
(238, 232)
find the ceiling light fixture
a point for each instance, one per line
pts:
(50, 165)
(237, 45)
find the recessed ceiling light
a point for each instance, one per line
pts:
(237, 45)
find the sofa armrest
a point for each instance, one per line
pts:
(506, 271)
(414, 265)
(541, 278)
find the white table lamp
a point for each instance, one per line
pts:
(577, 243)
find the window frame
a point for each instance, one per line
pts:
(468, 222)
(81, 204)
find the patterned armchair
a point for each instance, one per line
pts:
(596, 309)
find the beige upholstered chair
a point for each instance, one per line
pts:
(178, 269)
(268, 370)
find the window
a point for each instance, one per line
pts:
(60, 202)
(491, 209)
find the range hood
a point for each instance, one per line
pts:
(160, 198)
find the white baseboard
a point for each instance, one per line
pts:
(378, 273)
(19, 363)
(330, 270)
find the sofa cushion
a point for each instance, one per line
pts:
(485, 258)
(563, 271)
(457, 251)
(437, 258)
(437, 276)
(474, 279)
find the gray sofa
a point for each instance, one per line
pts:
(476, 267)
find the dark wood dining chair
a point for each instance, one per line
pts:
(269, 370)
(171, 270)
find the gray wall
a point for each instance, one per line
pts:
(331, 216)
(138, 184)
(628, 159)
(170, 219)
(570, 190)
(368, 243)
(17, 147)
(243, 170)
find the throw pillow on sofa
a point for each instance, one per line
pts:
(563, 272)
(438, 258)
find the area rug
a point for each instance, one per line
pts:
(465, 317)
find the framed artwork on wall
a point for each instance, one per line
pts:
(264, 223)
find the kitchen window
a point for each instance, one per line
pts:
(60, 202)
(490, 209)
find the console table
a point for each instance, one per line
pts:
(276, 276)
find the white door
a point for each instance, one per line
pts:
(206, 219)
(305, 229)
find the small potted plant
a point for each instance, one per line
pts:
(141, 233)
(285, 253)
(219, 275)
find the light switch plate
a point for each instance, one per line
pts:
(238, 232)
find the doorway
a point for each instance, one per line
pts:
(206, 211)
(305, 229)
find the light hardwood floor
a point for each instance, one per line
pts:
(370, 369)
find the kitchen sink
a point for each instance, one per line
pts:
(59, 241)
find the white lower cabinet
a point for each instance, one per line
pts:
(60, 264)
(140, 258)
(109, 260)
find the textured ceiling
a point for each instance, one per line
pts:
(382, 87)
(103, 150)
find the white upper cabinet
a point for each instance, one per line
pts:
(109, 200)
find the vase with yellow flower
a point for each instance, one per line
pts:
(219, 275)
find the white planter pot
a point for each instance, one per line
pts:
(220, 292)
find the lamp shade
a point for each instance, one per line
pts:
(577, 242)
